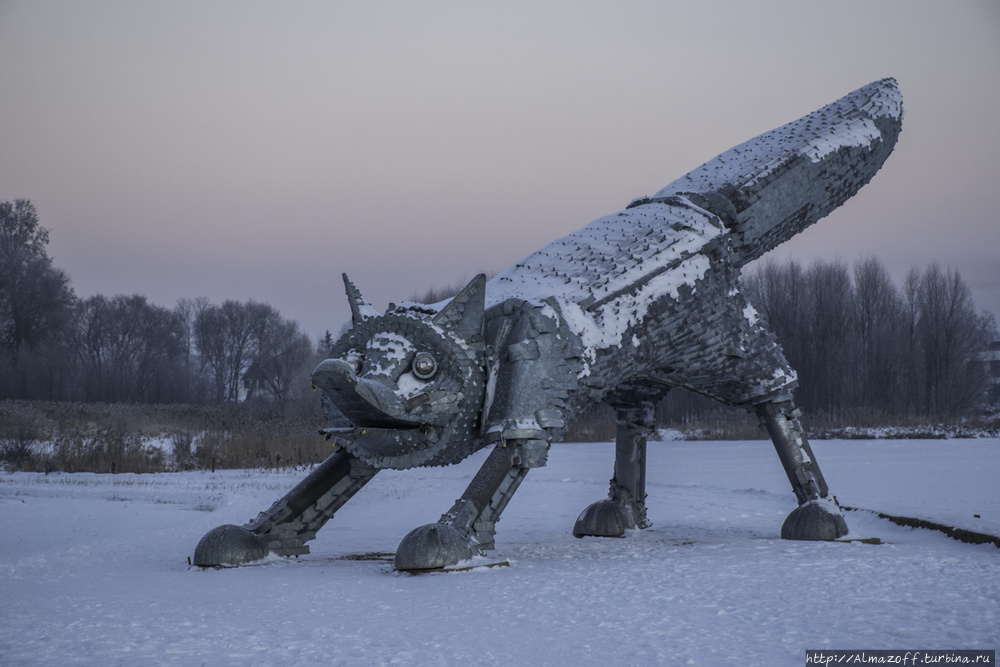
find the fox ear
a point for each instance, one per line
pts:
(361, 310)
(464, 314)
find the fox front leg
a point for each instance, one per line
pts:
(816, 517)
(469, 526)
(291, 521)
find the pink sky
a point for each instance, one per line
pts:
(253, 150)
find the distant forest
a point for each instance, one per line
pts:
(857, 340)
(123, 349)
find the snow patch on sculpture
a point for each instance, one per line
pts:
(860, 132)
(606, 327)
(409, 385)
(589, 265)
(394, 349)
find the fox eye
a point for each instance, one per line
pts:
(424, 366)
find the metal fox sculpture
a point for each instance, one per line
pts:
(621, 311)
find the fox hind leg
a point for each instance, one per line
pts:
(816, 517)
(625, 506)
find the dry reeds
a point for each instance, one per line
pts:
(94, 437)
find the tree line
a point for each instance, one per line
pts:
(124, 349)
(855, 338)
(859, 341)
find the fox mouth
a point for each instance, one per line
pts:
(367, 404)
(380, 441)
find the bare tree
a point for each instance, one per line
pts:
(828, 366)
(214, 337)
(128, 350)
(951, 335)
(279, 351)
(879, 320)
(35, 300)
(187, 311)
(862, 343)
(249, 344)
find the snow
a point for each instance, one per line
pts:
(605, 276)
(93, 568)
(612, 254)
(856, 132)
(393, 344)
(367, 311)
(607, 325)
(394, 349)
(409, 385)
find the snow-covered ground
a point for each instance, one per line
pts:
(93, 568)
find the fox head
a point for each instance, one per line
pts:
(411, 381)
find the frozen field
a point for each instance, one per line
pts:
(93, 568)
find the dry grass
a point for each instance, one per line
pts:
(721, 423)
(77, 437)
(93, 437)
(110, 449)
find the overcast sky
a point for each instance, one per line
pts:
(257, 150)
